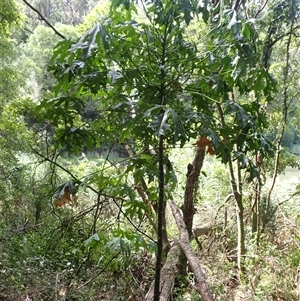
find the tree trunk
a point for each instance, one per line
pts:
(160, 219)
(188, 210)
(241, 236)
(191, 189)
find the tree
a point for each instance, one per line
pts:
(10, 18)
(281, 20)
(154, 91)
(35, 55)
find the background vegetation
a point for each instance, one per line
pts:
(112, 111)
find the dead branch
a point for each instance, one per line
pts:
(201, 285)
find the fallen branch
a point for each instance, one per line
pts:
(201, 285)
(167, 277)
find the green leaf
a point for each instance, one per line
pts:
(92, 241)
(179, 129)
(61, 50)
(160, 124)
(233, 19)
(91, 40)
(247, 30)
(187, 9)
(260, 83)
(119, 244)
(204, 173)
(205, 13)
(135, 208)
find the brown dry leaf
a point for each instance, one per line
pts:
(203, 142)
(64, 199)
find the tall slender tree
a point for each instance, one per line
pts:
(157, 90)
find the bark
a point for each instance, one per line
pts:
(201, 285)
(191, 189)
(160, 219)
(168, 274)
(188, 210)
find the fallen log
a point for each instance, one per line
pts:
(170, 269)
(168, 274)
(201, 286)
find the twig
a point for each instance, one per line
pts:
(100, 272)
(261, 9)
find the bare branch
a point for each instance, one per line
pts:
(261, 9)
(44, 19)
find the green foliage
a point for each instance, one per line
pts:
(35, 54)
(10, 16)
(10, 79)
(149, 98)
(100, 11)
(262, 267)
(142, 76)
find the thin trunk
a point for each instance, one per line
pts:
(160, 219)
(258, 215)
(286, 105)
(236, 188)
(191, 189)
(256, 206)
(256, 196)
(97, 213)
(241, 237)
(240, 217)
(38, 211)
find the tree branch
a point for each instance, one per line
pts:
(95, 191)
(44, 19)
(261, 9)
